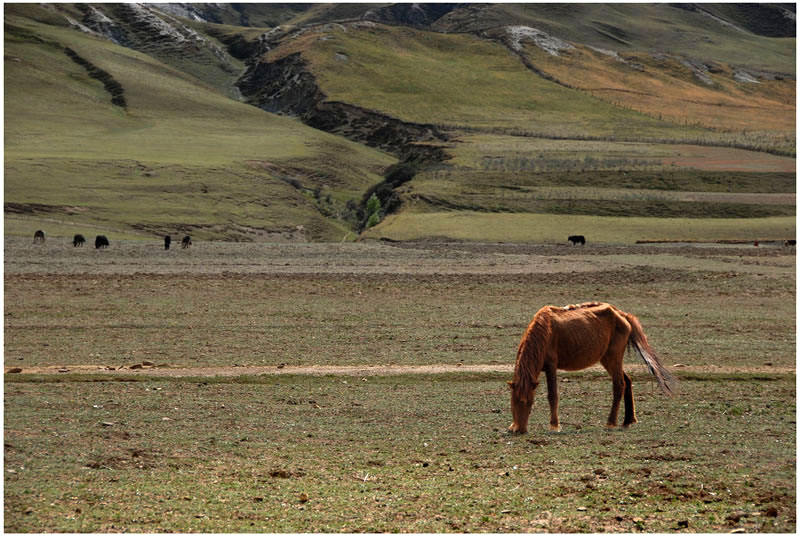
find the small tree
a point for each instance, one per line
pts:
(373, 205)
(373, 220)
(373, 211)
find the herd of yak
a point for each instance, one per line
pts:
(101, 241)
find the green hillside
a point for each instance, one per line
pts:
(179, 156)
(456, 81)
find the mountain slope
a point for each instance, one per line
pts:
(705, 32)
(180, 155)
(129, 116)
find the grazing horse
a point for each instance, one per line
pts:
(577, 239)
(38, 237)
(574, 338)
(167, 241)
(78, 240)
(186, 242)
(101, 242)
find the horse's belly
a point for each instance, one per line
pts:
(579, 358)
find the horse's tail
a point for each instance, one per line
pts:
(638, 342)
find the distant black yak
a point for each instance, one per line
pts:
(790, 243)
(38, 237)
(78, 240)
(186, 242)
(577, 239)
(167, 241)
(101, 242)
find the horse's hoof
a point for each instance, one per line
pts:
(611, 426)
(555, 428)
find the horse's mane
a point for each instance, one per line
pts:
(531, 354)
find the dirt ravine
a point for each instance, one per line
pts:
(354, 370)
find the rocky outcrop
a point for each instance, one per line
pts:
(550, 44)
(163, 36)
(412, 14)
(285, 86)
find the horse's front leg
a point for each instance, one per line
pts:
(552, 396)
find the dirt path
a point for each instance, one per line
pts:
(352, 370)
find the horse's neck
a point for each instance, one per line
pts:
(533, 349)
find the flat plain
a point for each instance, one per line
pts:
(242, 387)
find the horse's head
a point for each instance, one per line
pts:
(521, 404)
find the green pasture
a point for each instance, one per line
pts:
(521, 154)
(526, 227)
(63, 227)
(421, 453)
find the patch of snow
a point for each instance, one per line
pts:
(187, 11)
(637, 66)
(745, 77)
(81, 27)
(174, 30)
(604, 51)
(548, 43)
(363, 24)
(103, 25)
(98, 16)
(164, 29)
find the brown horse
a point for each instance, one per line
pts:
(574, 338)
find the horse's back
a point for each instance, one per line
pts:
(582, 333)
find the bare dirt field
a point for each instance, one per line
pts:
(361, 387)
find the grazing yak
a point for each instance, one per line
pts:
(38, 237)
(78, 240)
(186, 242)
(167, 241)
(577, 239)
(101, 242)
(789, 243)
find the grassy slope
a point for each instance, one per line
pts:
(456, 80)
(652, 28)
(182, 155)
(670, 90)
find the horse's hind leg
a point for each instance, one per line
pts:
(612, 362)
(552, 396)
(618, 384)
(630, 408)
